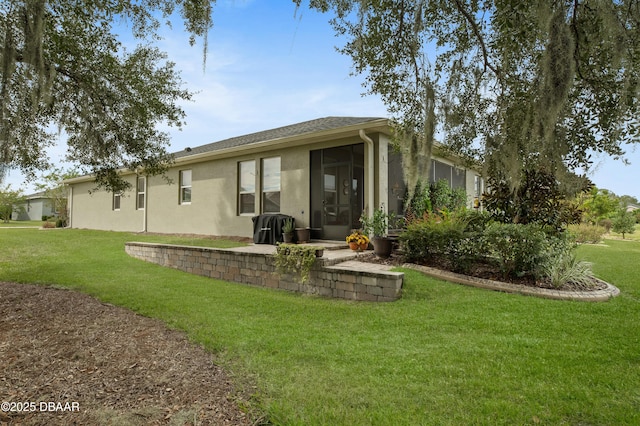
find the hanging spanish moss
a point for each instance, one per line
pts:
(529, 138)
(62, 64)
(417, 146)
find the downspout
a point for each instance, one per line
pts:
(70, 207)
(146, 203)
(371, 169)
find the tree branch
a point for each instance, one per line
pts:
(476, 32)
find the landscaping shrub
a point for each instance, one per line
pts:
(443, 197)
(458, 241)
(434, 198)
(585, 233)
(606, 224)
(563, 268)
(539, 198)
(475, 220)
(517, 250)
(433, 236)
(420, 203)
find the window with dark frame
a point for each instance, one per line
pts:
(116, 201)
(247, 187)
(141, 192)
(270, 179)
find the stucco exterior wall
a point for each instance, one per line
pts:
(93, 209)
(214, 196)
(34, 209)
(213, 209)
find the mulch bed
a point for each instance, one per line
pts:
(484, 271)
(101, 364)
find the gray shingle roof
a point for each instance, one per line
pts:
(306, 127)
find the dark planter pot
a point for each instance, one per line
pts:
(382, 246)
(303, 235)
(319, 252)
(287, 237)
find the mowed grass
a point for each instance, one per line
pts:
(21, 223)
(444, 354)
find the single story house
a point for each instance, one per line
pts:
(322, 172)
(35, 207)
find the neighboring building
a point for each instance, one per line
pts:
(35, 207)
(632, 207)
(322, 172)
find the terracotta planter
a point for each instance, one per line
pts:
(354, 246)
(287, 237)
(303, 235)
(382, 246)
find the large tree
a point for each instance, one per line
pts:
(64, 67)
(11, 201)
(519, 85)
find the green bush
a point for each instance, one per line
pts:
(475, 220)
(296, 260)
(606, 224)
(459, 241)
(563, 268)
(433, 237)
(586, 233)
(443, 197)
(517, 250)
(434, 198)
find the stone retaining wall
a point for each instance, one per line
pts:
(259, 270)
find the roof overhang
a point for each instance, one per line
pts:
(375, 126)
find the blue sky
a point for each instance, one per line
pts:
(269, 65)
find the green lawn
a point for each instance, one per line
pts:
(20, 223)
(445, 354)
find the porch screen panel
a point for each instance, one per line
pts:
(442, 171)
(396, 186)
(459, 178)
(315, 187)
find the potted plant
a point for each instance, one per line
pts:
(303, 235)
(287, 230)
(296, 260)
(378, 227)
(357, 240)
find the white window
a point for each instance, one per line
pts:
(185, 187)
(271, 185)
(116, 201)
(141, 192)
(247, 187)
